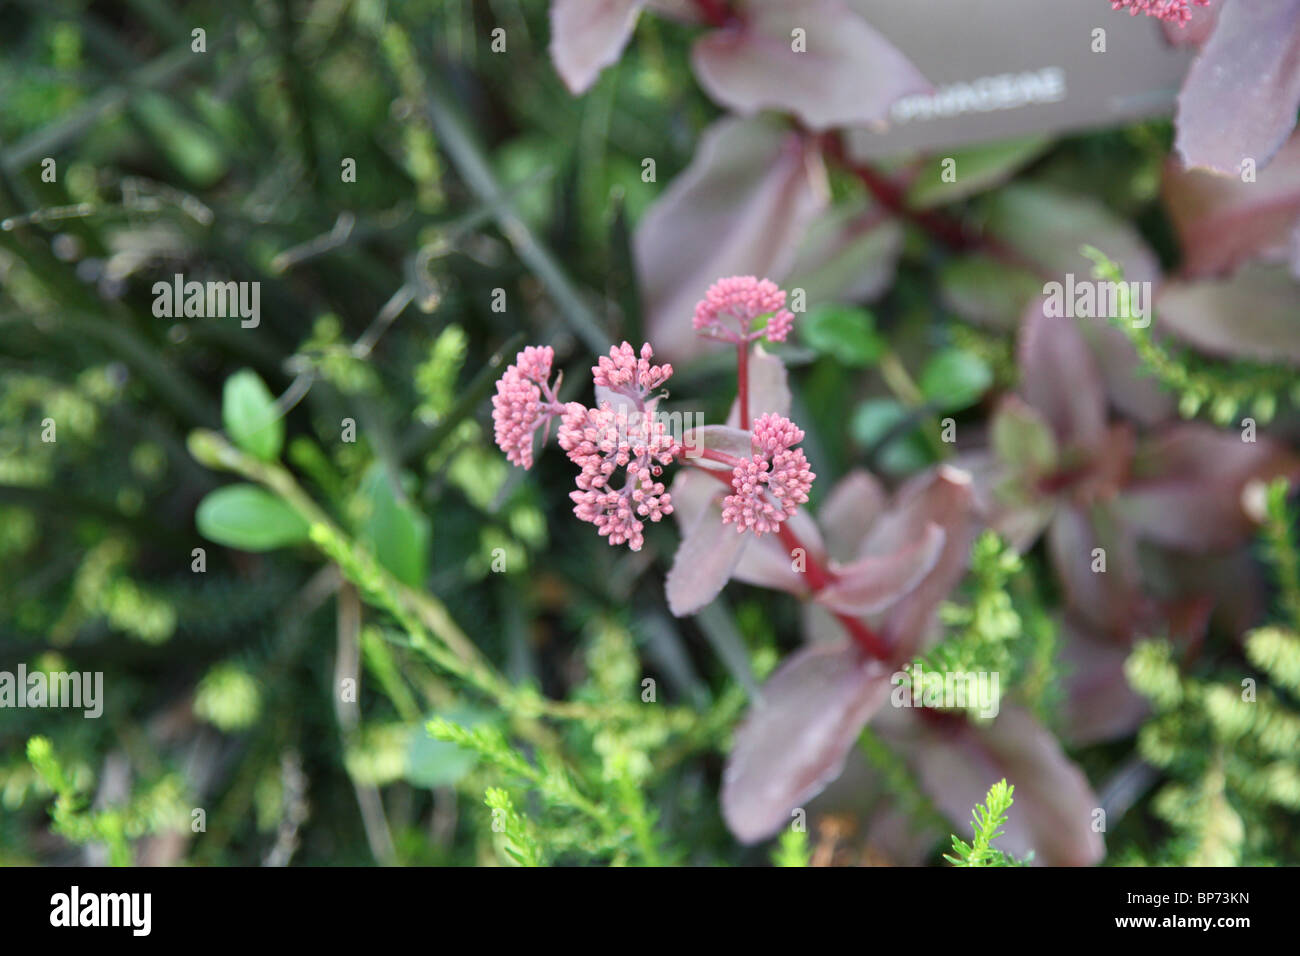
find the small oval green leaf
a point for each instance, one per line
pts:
(846, 332)
(249, 518)
(395, 530)
(250, 417)
(953, 379)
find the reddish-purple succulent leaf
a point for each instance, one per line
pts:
(1240, 97)
(1106, 598)
(875, 582)
(850, 254)
(693, 493)
(1004, 501)
(769, 388)
(900, 838)
(740, 208)
(847, 74)
(589, 35)
(849, 511)
(1047, 227)
(1099, 704)
(704, 561)
(926, 499)
(1195, 31)
(1252, 315)
(818, 625)
(1060, 379)
(957, 761)
(767, 563)
(797, 735)
(762, 560)
(1223, 221)
(942, 497)
(717, 438)
(1229, 581)
(1131, 388)
(1188, 483)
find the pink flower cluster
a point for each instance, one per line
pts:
(518, 407)
(600, 442)
(624, 433)
(743, 299)
(770, 486)
(1172, 11)
(624, 372)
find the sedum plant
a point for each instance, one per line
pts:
(358, 624)
(737, 497)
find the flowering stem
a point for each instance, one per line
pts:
(818, 578)
(742, 382)
(868, 641)
(712, 454)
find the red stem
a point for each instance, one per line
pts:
(868, 641)
(818, 577)
(712, 454)
(892, 197)
(742, 382)
(716, 13)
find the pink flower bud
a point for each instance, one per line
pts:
(1172, 11)
(601, 442)
(622, 371)
(524, 400)
(729, 309)
(771, 486)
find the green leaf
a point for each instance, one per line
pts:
(906, 456)
(873, 419)
(877, 417)
(442, 763)
(189, 146)
(846, 332)
(249, 415)
(249, 518)
(986, 291)
(792, 848)
(1023, 439)
(954, 379)
(977, 169)
(395, 530)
